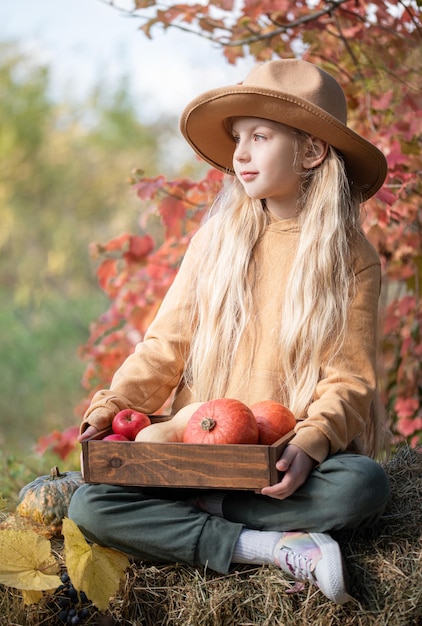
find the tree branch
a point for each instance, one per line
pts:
(411, 15)
(283, 28)
(333, 5)
(348, 48)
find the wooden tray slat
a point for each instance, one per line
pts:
(185, 465)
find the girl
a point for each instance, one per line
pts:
(277, 299)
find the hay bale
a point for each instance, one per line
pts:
(384, 563)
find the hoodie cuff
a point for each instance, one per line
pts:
(312, 441)
(104, 406)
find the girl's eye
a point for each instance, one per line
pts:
(255, 137)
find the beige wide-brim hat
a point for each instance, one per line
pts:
(293, 92)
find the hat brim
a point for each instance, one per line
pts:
(203, 124)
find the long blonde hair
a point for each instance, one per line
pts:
(313, 325)
(315, 307)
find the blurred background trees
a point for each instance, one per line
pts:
(64, 180)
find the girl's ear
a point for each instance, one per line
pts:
(315, 152)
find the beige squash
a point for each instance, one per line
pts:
(171, 430)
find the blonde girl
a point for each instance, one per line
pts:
(277, 298)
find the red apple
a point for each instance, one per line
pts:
(274, 420)
(115, 437)
(129, 422)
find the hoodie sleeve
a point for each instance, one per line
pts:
(341, 405)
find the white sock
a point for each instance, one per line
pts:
(255, 546)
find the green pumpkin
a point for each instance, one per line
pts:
(46, 499)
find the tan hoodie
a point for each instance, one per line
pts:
(339, 413)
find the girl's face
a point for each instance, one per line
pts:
(265, 163)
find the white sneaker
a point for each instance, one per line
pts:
(314, 557)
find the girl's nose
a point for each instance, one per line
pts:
(241, 153)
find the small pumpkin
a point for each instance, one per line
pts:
(274, 420)
(222, 421)
(46, 499)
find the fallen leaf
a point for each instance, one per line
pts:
(26, 561)
(31, 597)
(93, 569)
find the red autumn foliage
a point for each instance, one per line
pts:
(374, 49)
(60, 443)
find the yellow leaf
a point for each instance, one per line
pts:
(31, 597)
(26, 561)
(95, 570)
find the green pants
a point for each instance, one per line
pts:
(345, 491)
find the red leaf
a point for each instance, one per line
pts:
(139, 248)
(172, 210)
(406, 305)
(386, 196)
(148, 187)
(106, 272)
(61, 443)
(226, 5)
(383, 101)
(115, 244)
(408, 427)
(406, 407)
(395, 155)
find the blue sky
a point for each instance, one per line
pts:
(87, 41)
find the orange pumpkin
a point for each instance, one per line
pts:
(274, 420)
(222, 421)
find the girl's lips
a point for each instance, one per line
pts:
(248, 175)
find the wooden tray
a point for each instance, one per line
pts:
(200, 466)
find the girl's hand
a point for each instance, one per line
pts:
(91, 431)
(296, 466)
